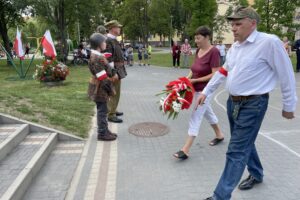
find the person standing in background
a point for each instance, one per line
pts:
(186, 52)
(297, 48)
(130, 55)
(145, 53)
(287, 46)
(222, 50)
(140, 55)
(149, 50)
(176, 54)
(27, 48)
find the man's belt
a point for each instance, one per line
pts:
(242, 98)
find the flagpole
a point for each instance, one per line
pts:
(21, 64)
(36, 51)
(10, 59)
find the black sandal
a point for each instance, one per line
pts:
(216, 141)
(180, 155)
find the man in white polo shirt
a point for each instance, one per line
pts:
(254, 64)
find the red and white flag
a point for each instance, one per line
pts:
(18, 47)
(48, 45)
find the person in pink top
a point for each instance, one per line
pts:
(286, 45)
(206, 63)
(186, 52)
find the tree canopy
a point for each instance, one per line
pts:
(10, 17)
(77, 19)
(277, 16)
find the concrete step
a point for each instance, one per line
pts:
(55, 177)
(10, 136)
(23, 163)
(35, 158)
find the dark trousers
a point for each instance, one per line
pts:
(298, 60)
(176, 58)
(245, 118)
(102, 118)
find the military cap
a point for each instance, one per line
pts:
(111, 24)
(242, 12)
(101, 29)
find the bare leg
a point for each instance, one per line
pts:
(190, 139)
(217, 130)
(219, 135)
(188, 144)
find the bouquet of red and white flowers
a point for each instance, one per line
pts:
(51, 71)
(178, 96)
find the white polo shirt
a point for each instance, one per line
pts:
(255, 66)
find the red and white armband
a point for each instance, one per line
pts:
(101, 75)
(223, 71)
(107, 54)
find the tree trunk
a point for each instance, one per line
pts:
(62, 28)
(146, 24)
(4, 35)
(268, 16)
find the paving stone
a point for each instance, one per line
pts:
(55, 176)
(147, 170)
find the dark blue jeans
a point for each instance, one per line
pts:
(245, 118)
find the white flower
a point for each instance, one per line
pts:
(176, 106)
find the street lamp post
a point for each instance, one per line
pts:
(145, 20)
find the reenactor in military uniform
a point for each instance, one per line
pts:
(101, 84)
(117, 62)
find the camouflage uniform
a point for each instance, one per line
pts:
(100, 90)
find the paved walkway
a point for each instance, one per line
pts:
(136, 168)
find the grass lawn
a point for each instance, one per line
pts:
(63, 107)
(162, 59)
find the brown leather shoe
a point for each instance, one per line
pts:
(107, 137)
(114, 134)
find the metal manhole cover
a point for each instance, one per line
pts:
(148, 129)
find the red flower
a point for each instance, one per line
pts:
(179, 96)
